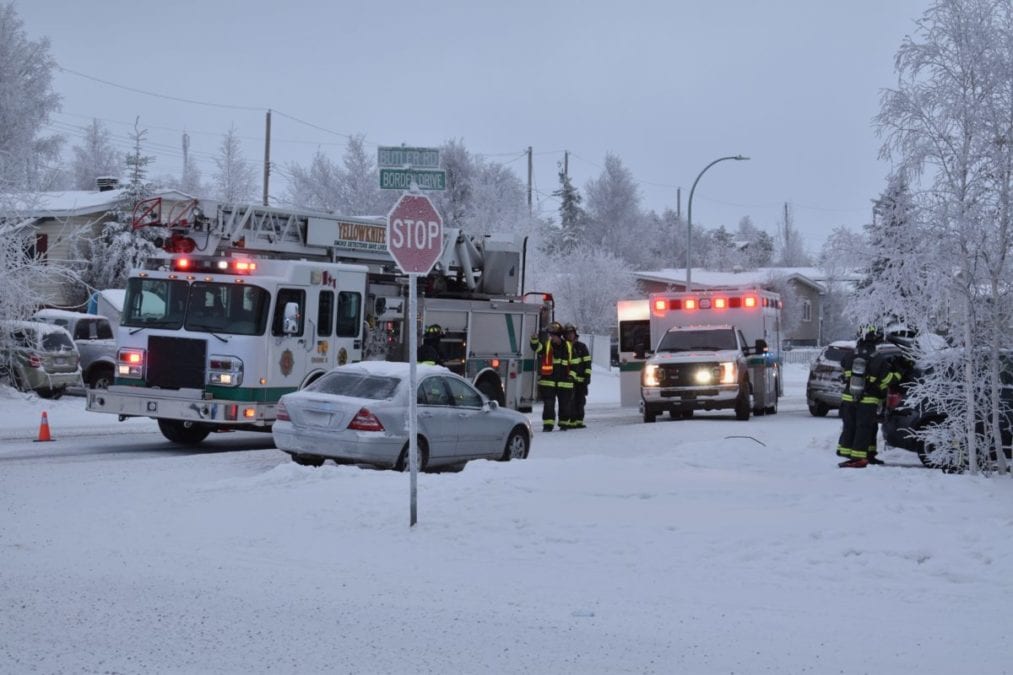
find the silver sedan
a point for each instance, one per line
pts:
(358, 414)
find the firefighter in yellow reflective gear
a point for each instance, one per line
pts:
(868, 373)
(580, 365)
(555, 379)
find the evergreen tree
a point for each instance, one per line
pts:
(235, 180)
(571, 215)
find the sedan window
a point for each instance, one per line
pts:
(432, 391)
(463, 394)
(356, 385)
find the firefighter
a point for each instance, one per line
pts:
(868, 373)
(429, 352)
(555, 379)
(580, 364)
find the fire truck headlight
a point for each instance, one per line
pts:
(225, 371)
(729, 374)
(652, 376)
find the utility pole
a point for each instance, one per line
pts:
(678, 205)
(267, 156)
(530, 178)
(566, 164)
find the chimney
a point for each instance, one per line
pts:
(106, 183)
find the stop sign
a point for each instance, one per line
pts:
(414, 234)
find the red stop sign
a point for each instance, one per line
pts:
(414, 234)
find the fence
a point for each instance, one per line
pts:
(801, 355)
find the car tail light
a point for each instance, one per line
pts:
(281, 413)
(34, 360)
(364, 420)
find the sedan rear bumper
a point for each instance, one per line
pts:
(354, 447)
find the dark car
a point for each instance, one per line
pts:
(908, 425)
(825, 385)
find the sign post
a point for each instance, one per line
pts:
(415, 241)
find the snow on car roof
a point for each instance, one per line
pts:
(38, 326)
(67, 314)
(394, 368)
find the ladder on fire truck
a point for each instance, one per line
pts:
(487, 265)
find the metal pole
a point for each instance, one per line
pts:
(689, 216)
(411, 326)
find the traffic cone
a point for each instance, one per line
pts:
(44, 429)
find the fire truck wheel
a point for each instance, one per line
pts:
(517, 445)
(743, 404)
(492, 390)
(404, 464)
(184, 433)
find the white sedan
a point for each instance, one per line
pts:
(358, 414)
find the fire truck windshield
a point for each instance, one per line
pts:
(236, 309)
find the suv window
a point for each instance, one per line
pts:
(833, 353)
(57, 342)
(93, 329)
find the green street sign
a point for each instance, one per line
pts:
(401, 179)
(399, 156)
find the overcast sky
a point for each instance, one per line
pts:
(667, 85)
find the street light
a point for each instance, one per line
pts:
(689, 214)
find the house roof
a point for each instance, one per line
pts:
(756, 277)
(71, 203)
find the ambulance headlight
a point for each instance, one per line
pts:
(704, 375)
(651, 376)
(728, 373)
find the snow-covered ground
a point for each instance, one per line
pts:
(700, 546)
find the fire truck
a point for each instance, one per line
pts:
(249, 302)
(701, 350)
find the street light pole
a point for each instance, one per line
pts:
(689, 215)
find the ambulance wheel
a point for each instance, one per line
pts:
(743, 405)
(184, 433)
(772, 409)
(650, 415)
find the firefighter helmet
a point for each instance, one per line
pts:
(570, 328)
(434, 330)
(555, 328)
(870, 333)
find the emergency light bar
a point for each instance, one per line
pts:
(215, 265)
(716, 303)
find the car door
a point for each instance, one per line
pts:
(437, 417)
(477, 435)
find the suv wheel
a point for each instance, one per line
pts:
(101, 378)
(818, 409)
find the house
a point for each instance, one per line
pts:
(60, 217)
(803, 306)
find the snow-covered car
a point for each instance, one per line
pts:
(94, 339)
(358, 414)
(39, 357)
(825, 384)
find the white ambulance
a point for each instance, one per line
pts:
(708, 350)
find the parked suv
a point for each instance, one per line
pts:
(39, 357)
(825, 385)
(93, 336)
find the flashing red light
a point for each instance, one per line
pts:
(720, 303)
(245, 266)
(690, 303)
(749, 301)
(660, 305)
(182, 263)
(494, 363)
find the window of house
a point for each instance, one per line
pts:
(807, 310)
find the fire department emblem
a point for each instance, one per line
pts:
(342, 356)
(286, 362)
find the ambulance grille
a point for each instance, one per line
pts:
(682, 374)
(176, 363)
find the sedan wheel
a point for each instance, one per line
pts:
(404, 463)
(517, 446)
(307, 460)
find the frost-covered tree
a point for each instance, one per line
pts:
(949, 125)
(359, 192)
(316, 187)
(235, 180)
(843, 254)
(27, 100)
(790, 250)
(586, 284)
(759, 246)
(615, 221)
(95, 157)
(456, 203)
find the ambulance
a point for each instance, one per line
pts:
(704, 350)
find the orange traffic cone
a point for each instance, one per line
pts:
(44, 429)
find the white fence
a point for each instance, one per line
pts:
(802, 355)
